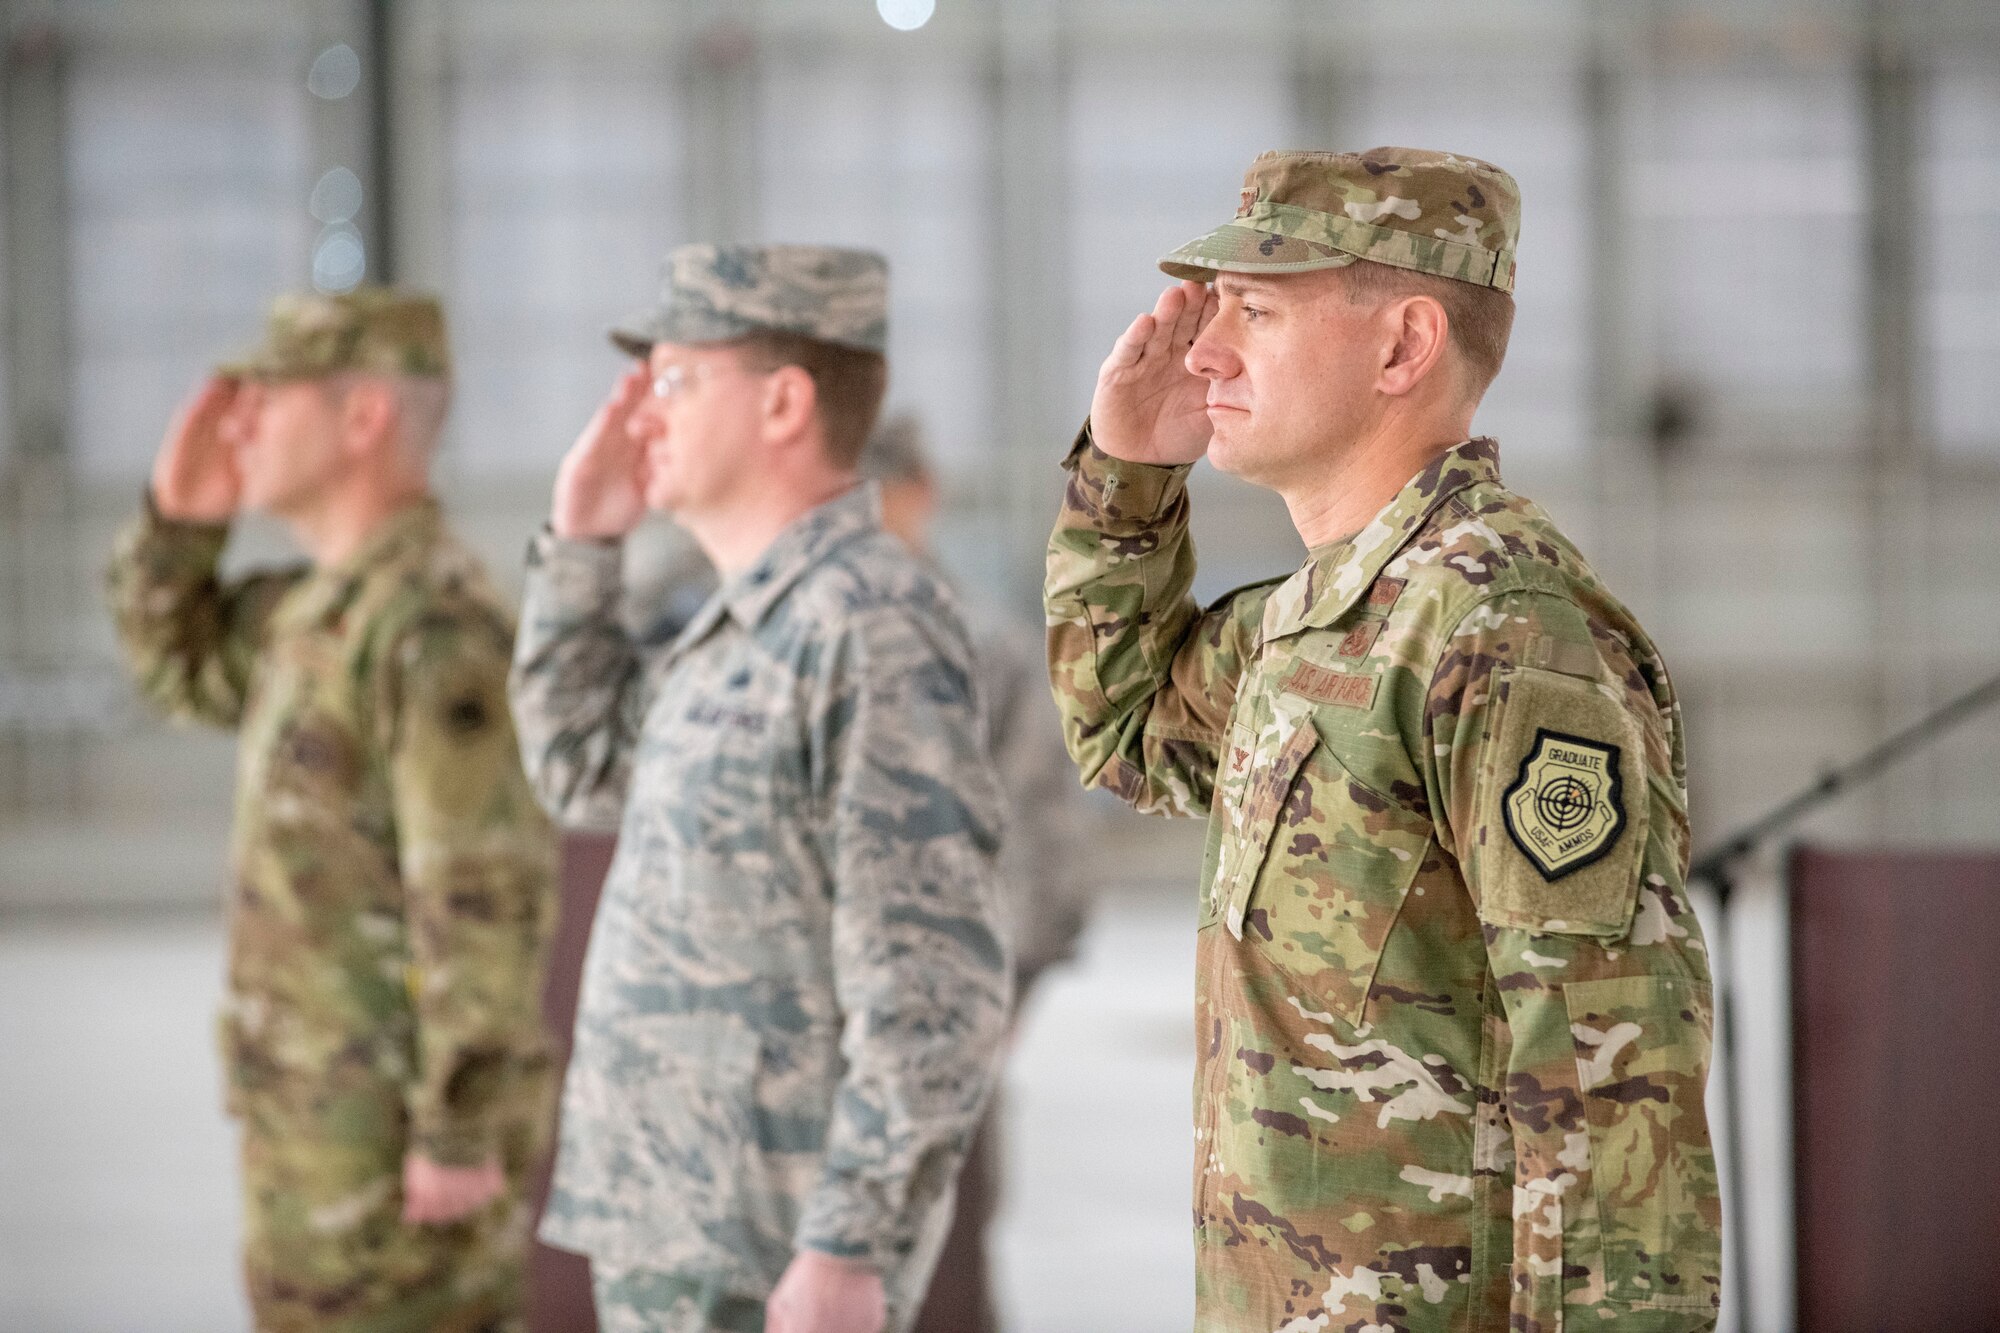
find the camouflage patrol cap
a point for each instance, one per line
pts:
(1455, 217)
(712, 293)
(383, 330)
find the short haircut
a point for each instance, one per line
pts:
(422, 403)
(848, 385)
(1481, 318)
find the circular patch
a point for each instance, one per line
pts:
(1564, 803)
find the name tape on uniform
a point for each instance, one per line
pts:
(1323, 685)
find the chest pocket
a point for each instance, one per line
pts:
(306, 764)
(716, 738)
(1323, 862)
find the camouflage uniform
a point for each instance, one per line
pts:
(393, 878)
(797, 982)
(1453, 1013)
(1043, 864)
(1042, 869)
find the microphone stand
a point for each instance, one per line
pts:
(1718, 869)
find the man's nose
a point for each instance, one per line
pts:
(1210, 355)
(648, 421)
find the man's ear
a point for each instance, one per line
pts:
(368, 416)
(1419, 330)
(791, 399)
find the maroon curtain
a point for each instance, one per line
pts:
(1896, 1041)
(559, 1282)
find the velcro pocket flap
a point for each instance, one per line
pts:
(1562, 807)
(1253, 818)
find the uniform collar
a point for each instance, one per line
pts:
(410, 527)
(1334, 576)
(749, 596)
(334, 587)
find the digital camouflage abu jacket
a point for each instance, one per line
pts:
(1453, 1013)
(797, 983)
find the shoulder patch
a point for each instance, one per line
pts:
(1562, 807)
(1567, 805)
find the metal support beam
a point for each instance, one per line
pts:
(37, 254)
(1027, 87)
(413, 159)
(1900, 455)
(378, 77)
(351, 124)
(720, 58)
(41, 757)
(1319, 81)
(1622, 373)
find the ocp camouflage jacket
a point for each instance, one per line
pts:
(1453, 1007)
(394, 882)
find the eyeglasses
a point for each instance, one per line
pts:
(677, 380)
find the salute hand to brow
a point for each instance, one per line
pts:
(600, 488)
(1149, 407)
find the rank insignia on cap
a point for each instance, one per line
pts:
(1567, 806)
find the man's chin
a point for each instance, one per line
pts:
(666, 500)
(258, 500)
(1246, 465)
(1229, 454)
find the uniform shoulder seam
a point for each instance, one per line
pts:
(1514, 572)
(1493, 592)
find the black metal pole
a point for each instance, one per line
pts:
(1722, 944)
(1917, 735)
(381, 122)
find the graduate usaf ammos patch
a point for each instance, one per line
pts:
(1566, 807)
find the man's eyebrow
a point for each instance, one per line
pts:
(1232, 284)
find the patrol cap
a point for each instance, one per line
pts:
(1438, 213)
(712, 293)
(384, 330)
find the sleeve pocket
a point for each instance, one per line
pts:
(1650, 1229)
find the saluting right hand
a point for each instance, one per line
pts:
(600, 488)
(195, 476)
(1149, 407)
